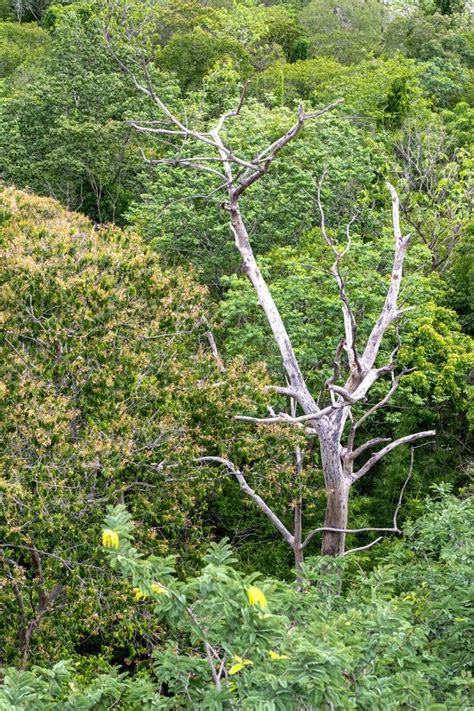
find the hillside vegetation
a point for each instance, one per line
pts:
(236, 248)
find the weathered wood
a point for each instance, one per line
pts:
(328, 425)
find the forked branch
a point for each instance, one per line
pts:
(390, 447)
(390, 310)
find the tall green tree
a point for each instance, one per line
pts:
(63, 133)
(106, 372)
(347, 31)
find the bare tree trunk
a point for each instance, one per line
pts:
(337, 490)
(297, 549)
(333, 543)
(298, 515)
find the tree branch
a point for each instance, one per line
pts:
(216, 676)
(266, 157)
(350, 326)
(389, 310)
(374, 408)
(236, 111)
(364, 548)
(215, 351)
(336, 370)
(285, 418)
(351, 456)
(185, 163)
(393, 529)
(322, 529)
(273, 518)
(382, 452)
(288, 392)
(265, 299)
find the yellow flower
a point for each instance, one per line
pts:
(110, 538)
(256, 597)
(139, 595)
(239, 665)
(274, 656)
(158, 589)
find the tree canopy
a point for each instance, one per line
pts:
(236, 353)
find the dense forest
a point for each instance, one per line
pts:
(236, 351)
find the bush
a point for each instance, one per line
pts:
(395, 638)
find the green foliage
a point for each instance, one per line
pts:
(193, 55)
(425, 37)
(181, 213)
(153, 24)
(384, 91)
(397, 636)
(266, 33)
(64, 132)
(348, 31)
(449, 7)
(29, 10)
(21, 47)
(447, 81)
(461, 273)
(435, 170)
(311, 80)
(57, 688)
(107, 374)
(5, 10)
(99, 348)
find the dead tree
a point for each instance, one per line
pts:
(339, 458)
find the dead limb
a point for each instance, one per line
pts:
(236, 175)
(382, 452)
(271, 515)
